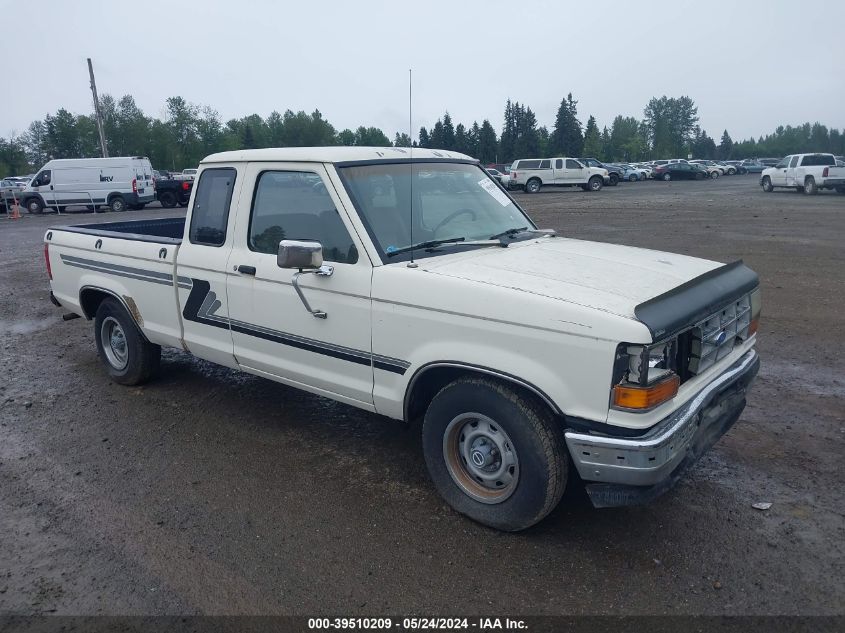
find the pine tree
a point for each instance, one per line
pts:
(726, 146)
(425, 141)
(461, 139)
(487, 146)
(592, 139)
(448, 133)
(566, 138)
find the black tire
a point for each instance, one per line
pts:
(34, 206)
(139, 359)
(667, 176)
(614, 179)
(731, 171)
(714, 175)
(699, 176)
(533, 185)
(117, 204)
(767, 184)
(595, 183)
(810, 187)
(537, 478)
(167, 199)
(633, 178)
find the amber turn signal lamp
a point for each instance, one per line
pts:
(752, 327)
(642, 398)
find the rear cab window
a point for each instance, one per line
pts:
(210, 215)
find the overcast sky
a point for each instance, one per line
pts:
(749, 66)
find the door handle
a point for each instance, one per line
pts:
(246, 270)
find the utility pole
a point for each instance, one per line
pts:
(97, 111)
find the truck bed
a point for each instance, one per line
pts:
(164, 230)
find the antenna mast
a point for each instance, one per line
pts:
(412, 263)
(97, 111)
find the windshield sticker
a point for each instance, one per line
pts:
(490, 187)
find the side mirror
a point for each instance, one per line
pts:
(299, 254)
(307, 256)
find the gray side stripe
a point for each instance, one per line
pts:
(127, 271)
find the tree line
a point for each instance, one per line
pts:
(668, 128)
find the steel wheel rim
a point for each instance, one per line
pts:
(114, 343)
(533, 187)
(594, 185)
(481, 458)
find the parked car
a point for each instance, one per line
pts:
(631, 173)
(680, 171)
(615, 174)
(737, 165)
(752, 166)
(714, 170)
(497, 175)
(171, 192)
(532, 360)
(119, 183)
(10, 191)
(189, 174)
(769, 162)
(532, 173)
(805, 172)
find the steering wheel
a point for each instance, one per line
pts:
(451, 217)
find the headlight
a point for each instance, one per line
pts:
(645, 375)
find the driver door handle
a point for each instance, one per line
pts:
(246, 270)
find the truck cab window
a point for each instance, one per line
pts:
(211, 207)
(295, 205)
(794, 162)
(572, 164)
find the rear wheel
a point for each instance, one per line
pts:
(767, 184)
(167, 199)
(633, 178)
(595, 183)
(731, 171)
(129, 358)
(533, 185)
(714, 175)
(810, 187)
(117, 204)
(494, 454)
(667, 176)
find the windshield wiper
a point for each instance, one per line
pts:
(431, 244)
(522, 229)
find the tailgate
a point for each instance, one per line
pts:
(139, 273)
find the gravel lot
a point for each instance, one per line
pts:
(210, 491)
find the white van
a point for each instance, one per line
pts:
(119, 183)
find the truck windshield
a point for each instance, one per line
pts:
(450, 200)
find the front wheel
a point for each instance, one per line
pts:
(810, 187)
(595, 183)
(714, 175)
(34, 206)
(129, 358)
(532, 186)
(493, 454)
(667, 177)
(614, 179)
(767, 184)
(633, 178)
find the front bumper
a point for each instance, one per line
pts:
(630, 471)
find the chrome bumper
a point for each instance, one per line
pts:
(634, 470)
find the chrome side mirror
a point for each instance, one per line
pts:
(307, 256)
(299, 254)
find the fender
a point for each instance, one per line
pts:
(480, 369)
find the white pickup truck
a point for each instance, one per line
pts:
(416, 288)
(530, 174)
(805, 172)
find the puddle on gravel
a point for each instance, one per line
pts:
(17, 328)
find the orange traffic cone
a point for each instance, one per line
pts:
(16, 211)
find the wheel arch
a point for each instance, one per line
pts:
(430, 378)
(90, 298)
